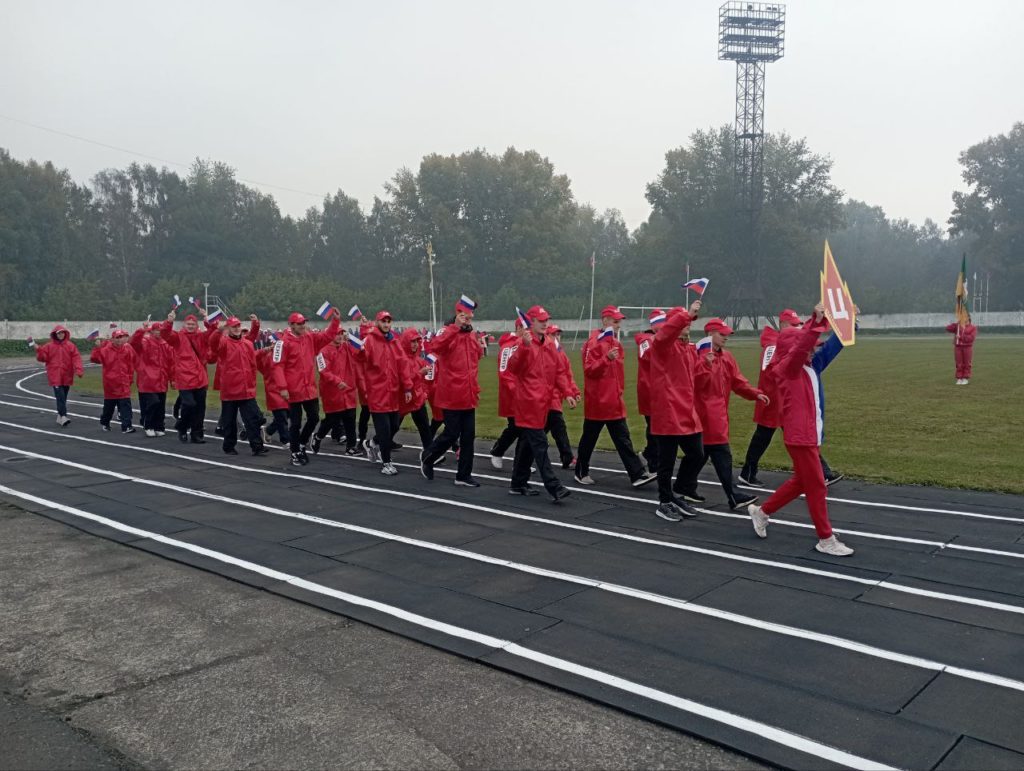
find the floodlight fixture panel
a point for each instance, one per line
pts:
(751, 32)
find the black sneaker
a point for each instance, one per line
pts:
(183, 437)
(559, 493)
(232, 451)
(467, 482)
(740, 502)
(198, 439)
(104, 427)
(685, 509)
(426, 469)
(750, 478)
(832, 477)
(669, 512)
(297, 459)
(219, 430)
(527, 491)
(303, 456)
(261, 450)
(352, 452)
(397, 446)
(568, 464)
(693, 497)
(129, 430)
(317, 440)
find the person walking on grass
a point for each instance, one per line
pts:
(801, 410)
(152, 374)
(604, 382)
(118, 360)
(191, 349)
(387, 386)
(235, 357)
(63, 364)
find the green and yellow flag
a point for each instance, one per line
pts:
(963, 316)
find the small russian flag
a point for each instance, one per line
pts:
(704, 344)
(354, 312)
(606, 332)
(31, 342)
(431, 358)
(93, 335)
(195, 301)
(324, 310)
(466, 303)
(217, 313)
(274, 336)
(177, 301)
(356, 342)
(658, 319)
(523, 317)
(698, 285)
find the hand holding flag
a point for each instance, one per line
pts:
(704, 344)
(31, 342)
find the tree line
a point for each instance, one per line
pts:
(505, 229)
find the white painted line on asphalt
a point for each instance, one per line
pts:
(762, 730)
(998, 606)
(595, 583)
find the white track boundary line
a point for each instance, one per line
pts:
(762, 730)
(871, 582)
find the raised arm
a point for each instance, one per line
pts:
(322, 338)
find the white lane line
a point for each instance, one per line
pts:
(713, 483)
(871, 582)
(595, 583)
(762, 730)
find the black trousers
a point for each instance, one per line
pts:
(618, 430)
(193, 412)
(560, 436)
(435, 426)
(364, 422)
(421, 420)
(689, 468)
(507, 439)
(460, 430)
(252, 418)
(60, 394)
(342, 419)
(650, 452)
(759, 443)
(385, 424)
(299, 432)
(124, 412)
(151, 409)
(532, 447)
(721, 458)
(279, 424)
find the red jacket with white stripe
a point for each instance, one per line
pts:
(294, 360)
(643, 372)
(724, 378)
(271, 391)
(506, 380)
(767, 414)
(604, 379)
(798, 384)
(338, 378)
(456, 385)
(674, 369)
(236, 366)
(118, 363)
(540, 377)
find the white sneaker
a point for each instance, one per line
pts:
(160, 433)
(497, 462)
(150, 433)
(587, 480)
(388, 469)
(372, 451)
(833, 546)
(63, 420)
(759, 519)
(644, 479)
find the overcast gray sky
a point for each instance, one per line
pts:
(317, 96)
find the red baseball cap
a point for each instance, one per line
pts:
(381, 315)
(296, 318)
(790, 317)
(554, 329)
(655, 314)
(234, 322)
(610, 311)
(537, 313)
(717, 325)
(119, 333)
(191, 317)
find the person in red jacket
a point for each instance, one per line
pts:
(457, 392)
(191, 351)
(556, 419)
(153, 372)
(506, 397)
(118, 361)
(276, 403)
(604, 381)
(63, 363)
(338, 386)
(417, 369)
(537, 367)
(643, 383)
(294, 361)
(387, 387)
(964, 336)
(674, 420)
(363, 425)
(724, 378)
(798, 387)
(235, 357)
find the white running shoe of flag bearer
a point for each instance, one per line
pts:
(698, 285)
(325, 310)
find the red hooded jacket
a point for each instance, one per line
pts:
(506, 380)
(643, 372)
(540, 377)
(767, 414)
(62, 359)
(723, 379)
(413, 364)
(118, 363)
(386, 381)
(340, 367)
(797, 384)
(236, 365)
(574, 390)
(604, 380)
(674, 367)
(271, 391)
(154, 362)
(294, 361)
(191, 353)
(456, 385)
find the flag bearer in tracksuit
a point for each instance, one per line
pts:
(604, 381)
(417, 369)
(506, 396)
(964, 336)
(643, 384)
(191, 349)
(153, 373)
(277, 404)
(118, 360)
(556, 420)
(674, 420)
(457, 392)
(294, 361)
(536, 365)
(798, 389)
(338, 388)
(387, 386)
(63, 363)
(235, 357)
(724, 378)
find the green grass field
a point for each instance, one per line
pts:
(892, 411)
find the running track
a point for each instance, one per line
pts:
(907, 655)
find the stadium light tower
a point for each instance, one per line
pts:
(752, 35)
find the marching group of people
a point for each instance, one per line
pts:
(378, 376)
